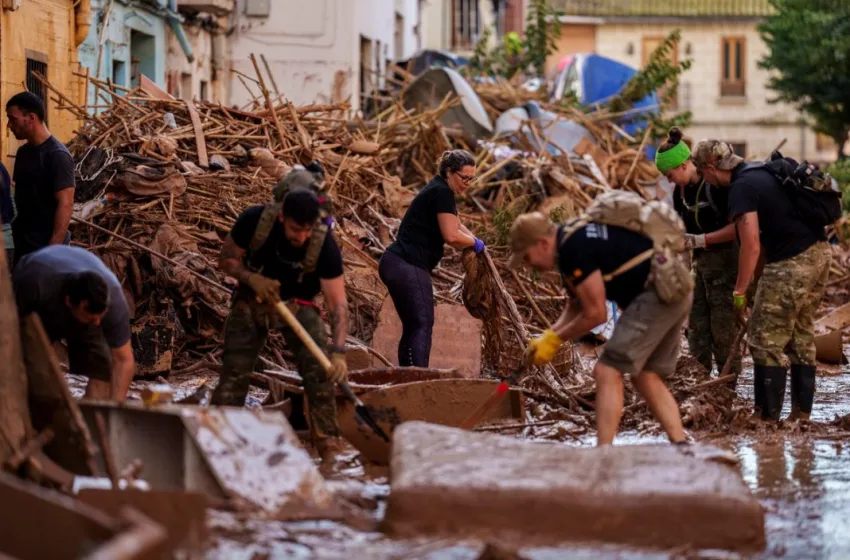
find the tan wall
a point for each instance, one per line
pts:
(574, 39)
(201, 70)
(47, 27)
(749, 119)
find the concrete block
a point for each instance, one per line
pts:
(447, 481)
(456, 342)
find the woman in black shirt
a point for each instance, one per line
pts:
(711, 324)
(405, 268)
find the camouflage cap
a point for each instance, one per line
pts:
(527, 230)
(295, 179)
(715, 152)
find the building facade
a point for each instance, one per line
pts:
(41, 36)
(334, 50)
(724, 89)
(457, 25)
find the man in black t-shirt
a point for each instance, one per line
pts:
(80, 300)
(274, 272)
(599, 262)
(796, 267)
(43, 176)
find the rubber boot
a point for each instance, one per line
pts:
(802, 391)
(331, 450)
(773, 391)
(758, 391)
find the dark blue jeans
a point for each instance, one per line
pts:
(413, 296)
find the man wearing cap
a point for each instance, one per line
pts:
(797, 259)
(595, 262)
(274, 270)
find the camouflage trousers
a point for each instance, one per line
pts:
(712, 324)
(244, 336)
(789, 294)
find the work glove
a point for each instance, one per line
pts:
(478, 247)
(339, 368)
(266, 289)
(542, 350)
(739, 301)
(694, 241)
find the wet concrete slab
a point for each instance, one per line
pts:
(452, 482)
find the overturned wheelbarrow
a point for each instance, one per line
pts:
(447, 402)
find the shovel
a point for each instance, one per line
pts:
(359, 408)
(501, 391)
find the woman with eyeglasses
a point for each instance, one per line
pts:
(405, 268)
(703, 208)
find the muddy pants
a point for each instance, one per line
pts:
(789, 294)
(244, 336)
(712, 324)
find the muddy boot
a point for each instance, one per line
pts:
(331, 451)
(773, 392)
(758, 392)
(802, 391)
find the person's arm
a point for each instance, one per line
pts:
(123, 368)
(61, 168)
(450, 228)
(62, 219)
(337, 303)
(586, 311)
(748, 234)
(231, 261)
(722, 235)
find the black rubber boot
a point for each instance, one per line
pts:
(773, 391)
(802, 391)
(758, 390)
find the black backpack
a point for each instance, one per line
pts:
(815, 194)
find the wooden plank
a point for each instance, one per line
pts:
(836, 319)
(149, 87)
(200, 141)
(52, 404)
(15, 427)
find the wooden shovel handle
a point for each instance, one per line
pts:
(301, 333)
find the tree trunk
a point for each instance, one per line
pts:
(15, 425)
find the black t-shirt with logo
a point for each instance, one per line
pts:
(605, 248)
(279, 260)
(783, 234)
(419, 240)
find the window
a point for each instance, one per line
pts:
(37, 63)
(733, 69)
(824, 143)
(204, 91)
(648, 45)
(740, 148)
(119, 72)
(185, 86)
(465, 23)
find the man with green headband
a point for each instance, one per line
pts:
(703, 209)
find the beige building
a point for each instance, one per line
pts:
(321, 51)
(724, 89)
(206, 76)
(456, 25)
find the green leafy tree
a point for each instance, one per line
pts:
(542, 30)
(660, 74)
(809, 56)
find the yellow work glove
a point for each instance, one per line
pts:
(339, 368)
(739, 301)
(266, 289)
(542, 350)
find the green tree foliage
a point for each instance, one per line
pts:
(661, 75)
(542, 30)
(840, 171)
(809, 56)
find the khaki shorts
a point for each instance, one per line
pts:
(647, 336)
